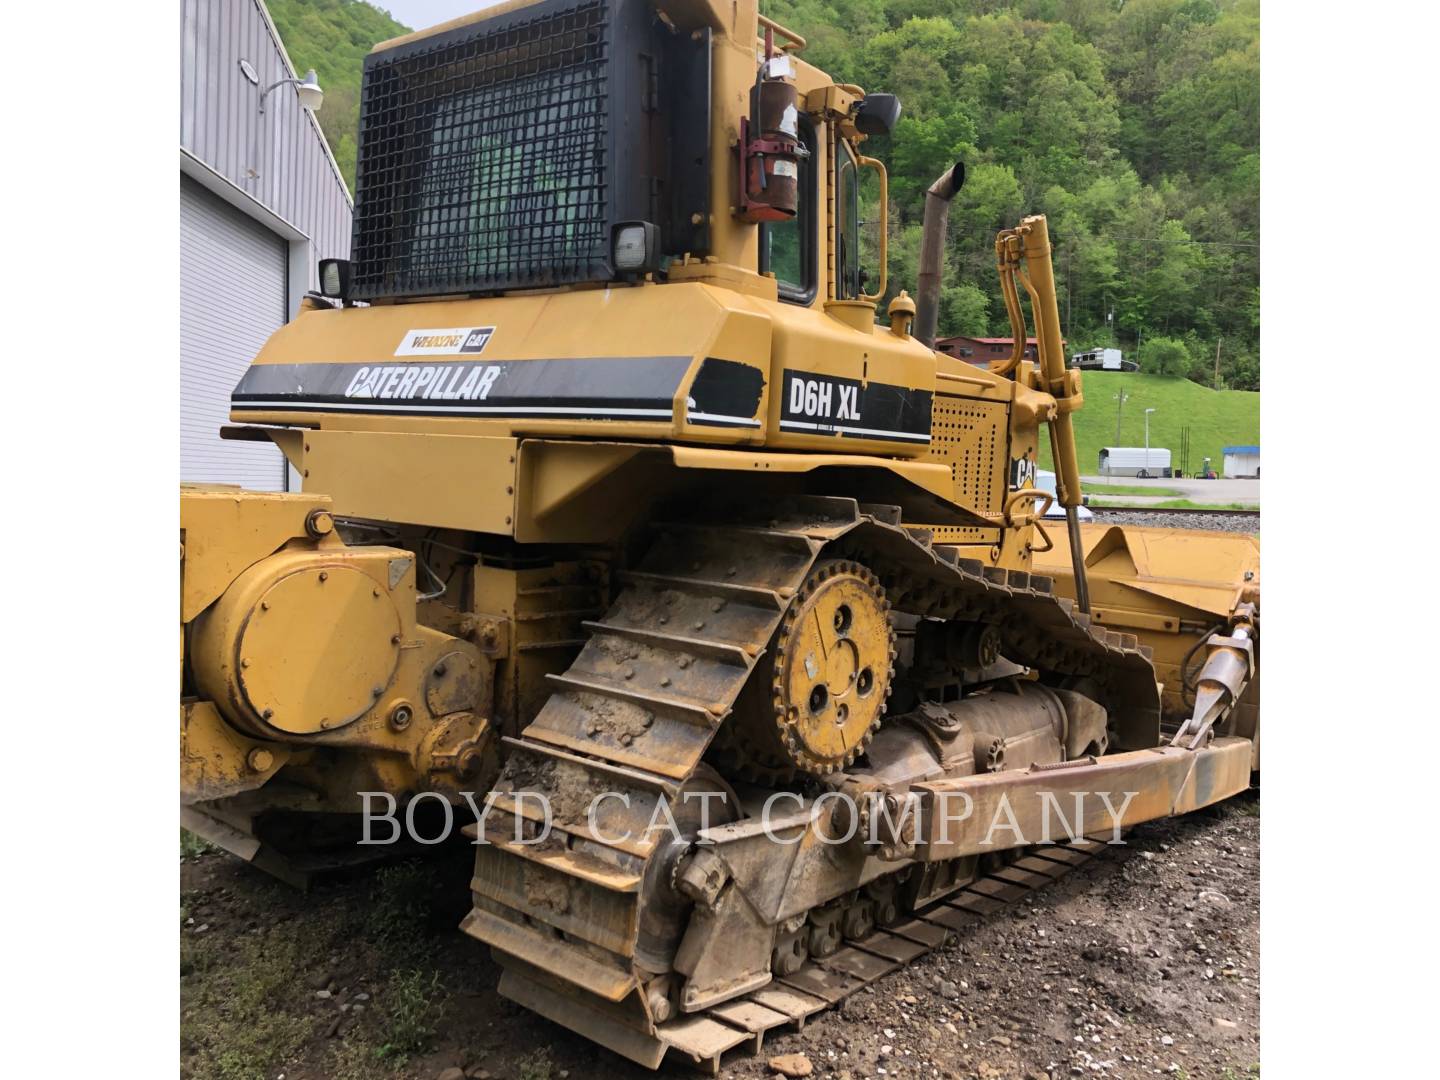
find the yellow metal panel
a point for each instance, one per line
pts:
(225, 529)
(453, 481)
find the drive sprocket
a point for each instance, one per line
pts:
(832, 662)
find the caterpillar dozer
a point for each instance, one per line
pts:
(623, 507)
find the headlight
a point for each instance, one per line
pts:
(335, 278)
(636, 247)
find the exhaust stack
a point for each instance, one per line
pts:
(932, 250)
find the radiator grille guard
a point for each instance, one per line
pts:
(485, 156)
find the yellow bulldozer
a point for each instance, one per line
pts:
(622, 506)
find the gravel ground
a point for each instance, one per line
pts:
(1181, 519)
(1143, 962)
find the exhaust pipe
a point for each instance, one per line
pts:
(932, 251)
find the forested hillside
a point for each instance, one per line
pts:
(1133, 124)
(333, 36)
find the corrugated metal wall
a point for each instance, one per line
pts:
(279, 158)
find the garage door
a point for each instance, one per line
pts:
(232, 298)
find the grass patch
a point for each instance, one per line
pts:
(536, 1066)
(242, 1019)
(396, 920)
(1186, 504)
(1216, 418)
(1169, 504)
(412, 1015)
(1108, 488)
(192, 846)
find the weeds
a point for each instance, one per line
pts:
(252, 1024)
(396, 920)
(412, 1014)
(536, 1066)
(192, 846)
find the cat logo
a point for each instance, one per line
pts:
(1022, 472)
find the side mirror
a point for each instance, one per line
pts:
(877, 114)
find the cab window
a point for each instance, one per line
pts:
(787, 248)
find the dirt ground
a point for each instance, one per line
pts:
(1144, 962)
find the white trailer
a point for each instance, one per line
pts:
(1134, 461)
(1103, 360)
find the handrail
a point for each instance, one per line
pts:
(879, 166)
(798, 42)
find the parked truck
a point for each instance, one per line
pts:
(1142, 461)
(1103, 360)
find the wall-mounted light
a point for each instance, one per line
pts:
(307, 89)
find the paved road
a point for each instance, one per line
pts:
(1207, 491)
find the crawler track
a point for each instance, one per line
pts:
(583, 920)
(741, 1025)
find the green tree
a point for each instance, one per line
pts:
(1164, 356)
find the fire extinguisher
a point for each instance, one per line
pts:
(770, 148)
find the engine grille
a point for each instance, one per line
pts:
(484, 157)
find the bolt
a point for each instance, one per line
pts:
(400, 717)
(264, 605)
(376, 691)
(319, 523)
(700, 625)
(244, 661)
(626, 738)
(268, 713)
(665, 681)
(374, 592)
(394, 639)
(324, 575)
(440, 670)
(260, 759)
(629, 673)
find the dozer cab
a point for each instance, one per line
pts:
(629, 521)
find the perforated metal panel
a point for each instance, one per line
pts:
(969, 435)
(232, 298)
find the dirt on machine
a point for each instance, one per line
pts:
(628, 515)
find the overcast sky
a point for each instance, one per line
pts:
(418, 14)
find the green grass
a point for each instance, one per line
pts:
(1169, 504)
(1108, 488)
(1216, 418)
(412, 1015)
(244, 1014)
(536, 1066)
(192, 846)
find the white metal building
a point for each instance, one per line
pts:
(261, 200)
(1242, 462)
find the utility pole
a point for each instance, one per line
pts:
(1217, 362)
(1069, 290)
(1147, 439)
(1119, 409)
